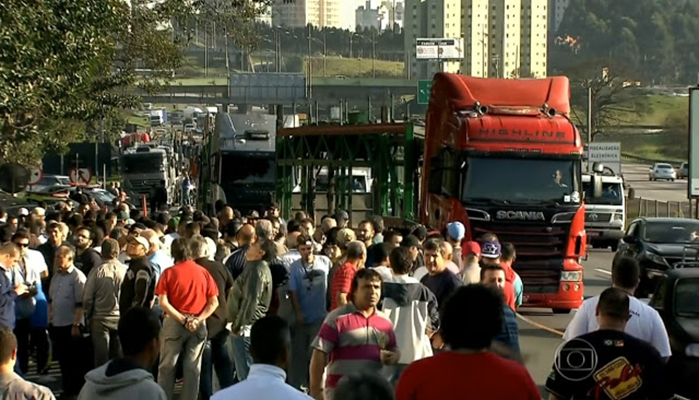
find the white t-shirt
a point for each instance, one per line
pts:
(645, 324)
(385, 272)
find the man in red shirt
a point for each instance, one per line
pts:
(491, 254)
(342, 278)
(188, 296)
(471, 319)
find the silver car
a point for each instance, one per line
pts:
(683, 171)
(662, 171)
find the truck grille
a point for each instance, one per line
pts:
(143, 186)
(601, 217)
(540, 250)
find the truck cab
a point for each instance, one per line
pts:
(605, 215)
(502, 157)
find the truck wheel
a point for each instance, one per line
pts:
(561, 310)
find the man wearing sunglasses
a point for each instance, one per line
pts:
(31, 308)
(308, 285)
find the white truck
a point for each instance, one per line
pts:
(605, 216)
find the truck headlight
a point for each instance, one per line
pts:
(692, 350)
(571, 276)
(618, 217)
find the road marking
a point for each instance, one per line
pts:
(540, 326)
(549, 329)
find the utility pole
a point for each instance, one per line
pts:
(310, 74)
(373, 53)
(589, 113)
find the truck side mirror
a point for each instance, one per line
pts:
(630, 239)
(597, 167)
(596, 186)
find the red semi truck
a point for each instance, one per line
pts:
(502, 156)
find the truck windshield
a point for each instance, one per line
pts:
(612, 194)
(238, 168)
(520, 180)
(143, 163)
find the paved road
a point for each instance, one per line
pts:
(637, 176)
(537, 341)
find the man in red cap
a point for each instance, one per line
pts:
(471, 272)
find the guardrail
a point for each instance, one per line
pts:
(640, 207)
(634, 158)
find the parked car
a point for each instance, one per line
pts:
(676, 299)
(657, 244)
(683, 171)
(662, 171)
(48, 183)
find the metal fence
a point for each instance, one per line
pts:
(640, 207)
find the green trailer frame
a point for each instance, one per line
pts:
(392, 152)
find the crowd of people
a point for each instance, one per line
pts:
(232, 306)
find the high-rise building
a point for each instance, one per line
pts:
(534, 43)
(319, 13)
(476, 23)
(430, 19)
(557, 10)
(505, 38)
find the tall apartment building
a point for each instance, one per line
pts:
(557, 10)
(430, 19)
(476, 25)
(534, 44)
(380, 15)
(505, 38)
(319, 13)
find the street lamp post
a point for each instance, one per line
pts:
(373, 53)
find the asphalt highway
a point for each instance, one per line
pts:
(636, 175)
(540, 330)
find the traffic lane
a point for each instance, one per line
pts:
(636, 175)
(540, 330)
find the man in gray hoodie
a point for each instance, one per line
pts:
(101, 302)
(128, 378)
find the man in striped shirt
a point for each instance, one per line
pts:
(353, 338)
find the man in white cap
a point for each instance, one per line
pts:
(455, 235)
(138, 287)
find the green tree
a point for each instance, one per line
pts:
(66, 63)
(613, 95)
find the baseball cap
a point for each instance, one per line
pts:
(471, 247)
(40, 211)
(140, 240)
(491, 249)
(410, 241)
(456, 230)
(23, 211)
(130, 221)
(122, 215)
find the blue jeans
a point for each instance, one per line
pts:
(241, 356)
(215, 356)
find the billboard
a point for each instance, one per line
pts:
(693, 178)
(609, 154)
(268, 88)
(439, 49)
